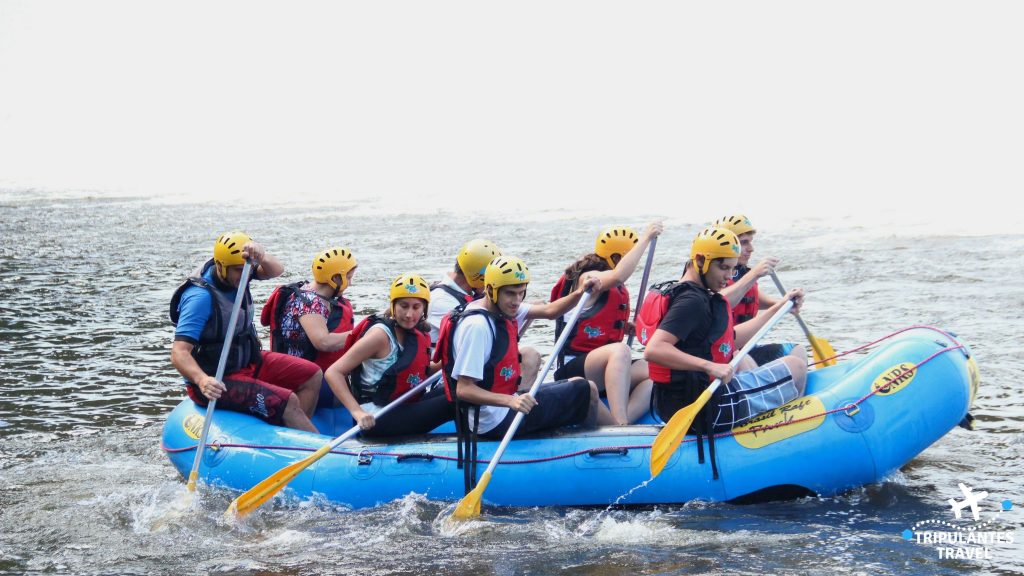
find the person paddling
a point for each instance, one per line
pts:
(312, 320)
(478, 349)
(277, 388)
(743, 293)
(595, 350)
(465, 284)
(696, 339)
(386, 356)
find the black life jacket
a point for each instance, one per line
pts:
(245, 345)
(748, 306)
(409, 369)
(459, 296)
(502, 372)
(338, 321)
(602, 323)
(716, 344)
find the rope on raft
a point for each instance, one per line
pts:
(759, 430)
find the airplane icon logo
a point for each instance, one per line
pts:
(970, 499)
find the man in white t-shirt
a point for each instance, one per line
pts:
(464, 284)
(481, 358)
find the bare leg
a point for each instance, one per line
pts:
(746, 364)
(529, 367)
(309, 393)
(640, 395)
(295, 417)
(796, 360)
(608, 368)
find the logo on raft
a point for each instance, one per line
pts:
(193, 426)
(978, 535)
(894, 379)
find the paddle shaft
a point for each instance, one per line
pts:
(243, 283)
(643, 286)
(753, 342)
(536, 383)
(803, 326)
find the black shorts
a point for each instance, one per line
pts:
(765, 353)
(575, 368)
(418, 417)
(561, 403)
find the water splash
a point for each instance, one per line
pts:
(582, 531)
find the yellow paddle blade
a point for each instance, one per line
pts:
(254, 497)
(672, 434)
(822, 350)
(469, 506)
(192, 477)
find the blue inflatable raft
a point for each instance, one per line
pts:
(859, 421)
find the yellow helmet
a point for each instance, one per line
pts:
(738, 224)
(473, 259)
(408, 286)
(615, 242)
(227, 250)
(331, 262)
(505, 271)
(713, 243)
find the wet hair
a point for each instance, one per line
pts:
(589, 263)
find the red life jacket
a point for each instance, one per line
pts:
(603, 323)
(339, 321)
(717, 345)
(749, 304)
(408, 370)
(502, 369)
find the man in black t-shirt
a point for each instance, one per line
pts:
(696, 340)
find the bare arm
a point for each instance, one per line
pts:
(559, 307)
(315, 327)
(747, 329)
(186, 365)
(662, 350)
(267, 266)
(375, 344)
(734, 292)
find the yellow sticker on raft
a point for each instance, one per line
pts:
(193, 426)
(894, 379)
(972, 370)
(781, 423)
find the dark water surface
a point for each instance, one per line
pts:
(85, 382)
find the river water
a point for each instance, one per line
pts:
(85, 382)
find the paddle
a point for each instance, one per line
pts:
(672, 434)
(824, 354)
(643, 286)
(265, 490)
(469, 506)
(243, 282)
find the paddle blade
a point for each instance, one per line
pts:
(668, 440)
(254, 497)
(823, 350)
(469, 506)
(192, 477)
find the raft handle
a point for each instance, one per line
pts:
(364, 459)
(608, 451)
(852, 410)
(415, 456)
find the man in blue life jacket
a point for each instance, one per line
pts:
(277, 388)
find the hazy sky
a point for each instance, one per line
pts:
(771, 108)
